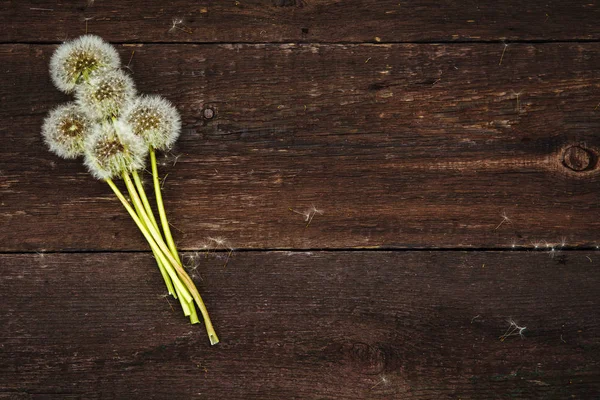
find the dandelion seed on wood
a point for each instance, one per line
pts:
(505, 219)
(308, 214)
(513, 330)
(177, 24)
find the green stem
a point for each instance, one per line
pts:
(185, 306)
(165, 276)
(161, 207)
(212, 335)
(155, 247)
(165, 223)
(194, 316)
(153, 231)
(140, 188)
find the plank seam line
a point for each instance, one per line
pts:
(326, 250)
(425, 42)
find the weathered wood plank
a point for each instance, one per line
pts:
(300, 20)
(398, 145)
(312, 325)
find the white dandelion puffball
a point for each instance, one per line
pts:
(112, 149)
(154, 119)
(105, 95)
(65, 130)
(74, 61)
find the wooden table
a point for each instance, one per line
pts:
(444, 153)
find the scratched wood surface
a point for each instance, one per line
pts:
(395, 145)
(395, 127)
(314, 325)
(301, 20)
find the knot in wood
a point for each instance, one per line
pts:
(367, 358)
(208, 113)
(576, 158)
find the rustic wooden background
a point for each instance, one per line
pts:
(445, 152)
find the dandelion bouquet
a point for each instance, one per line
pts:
(115, 130)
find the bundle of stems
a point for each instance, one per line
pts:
(114, 129)
(178, 282)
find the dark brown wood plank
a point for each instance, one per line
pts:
(300, 20)
(311, 325)
(398, 146)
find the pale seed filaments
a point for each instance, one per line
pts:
(65, 130)
(106, 95)
(113, 149)
(74, 61)
(154, 119)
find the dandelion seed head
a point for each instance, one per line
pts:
(77, 59)
(154, 119)
(106, 95)
(113, 148)
(65, 129)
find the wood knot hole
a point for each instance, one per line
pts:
(579, 159)
(208, 112)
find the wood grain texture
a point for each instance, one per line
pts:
(300, 20)
(310, 325)
(406, 124)
(398, 145)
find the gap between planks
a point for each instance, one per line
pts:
(324, 43)
(521, 249)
